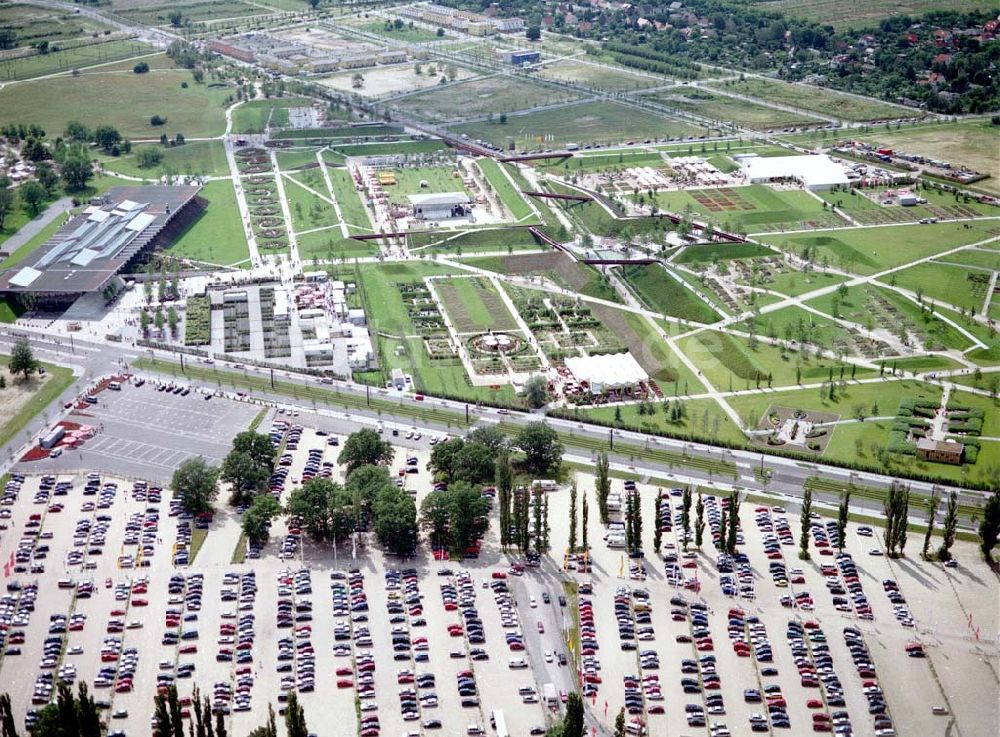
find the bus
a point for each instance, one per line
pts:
(498, 723)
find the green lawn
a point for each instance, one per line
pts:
(703, 418)
(76, 58)
(870, 250)
(951, 284)
(330, 245)
(296, 159)
(308, 210)
(476, 241)
(661, 292)
(217, 235)
(490, 95)
(874, 307)
(58, 379)
(729, 109)
(410, 181)
(474, 305)
(826, 102)
(974, 257)
(198, 157)
(406, 34)
(349, 200)
(754, 208)
(722, 252)
(254, 116)
(514, 201)
(731, 364)
(794, 283)
(803, 326)
(127, 104)
(586, 123)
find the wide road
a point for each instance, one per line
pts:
(786, 477)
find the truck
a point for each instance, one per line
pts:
(551, 695)
(53, 437)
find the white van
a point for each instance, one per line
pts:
(517, 663)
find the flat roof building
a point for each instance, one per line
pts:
(440, 206)
(108, 237)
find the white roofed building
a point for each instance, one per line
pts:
(613, 372)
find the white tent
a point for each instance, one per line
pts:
(604, 373)
(816, 171)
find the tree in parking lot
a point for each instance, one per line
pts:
(257, 519)
(734, 521)
(22, 359)
(932, 506)
(842, 513)
(572, 517)
(699, 522)
(620, 723)
(256, 445)
(807, 498)
(536, 510)
(572, 724)
(603, 485)
(492, 437)
(311, 503)
(196, 484)
(686, 514)
(364, 484)
(950, 527)
(8, 726)
(503, 478)
(989, 526)
(395, 521)
(365, 447)
(220, 724)
(585, 515)
(295, 717)
(658, 529)
(265, 730)
(434, 514)
(896, 507)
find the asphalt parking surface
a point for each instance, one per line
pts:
(940, 601)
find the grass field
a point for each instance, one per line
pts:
(877, 308)
(308, 211)
(752, 209)
(158, 14)
(954, 285)
(75, 58)
(254, 116)
(330, 245)
(722, 108)
(958, 143)
(474, 305)
(721, 252)
(407, 34)
(794, 283)
(973, 257)
(661, 292)
(596, 76)
(514, 201)
(857, 15)
(217, 235)
(803, 326)
(408, 181)
(585, 123)
(703, 418)
(869, 250)
(804, 97)
(476, 241)
(198, 157)
(730, 363)
(32, 24)
(295, 159)
(27, 400)
(480, 97)
(349, 200)
(127, 104)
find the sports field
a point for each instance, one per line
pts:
(585, 123)
(217, 235)
(755, 208)
(731, 110)
(474, 305)
(869, 250)
(480, 97)
(825, 102)
(597, 75)
(78, 57)
(127, 104)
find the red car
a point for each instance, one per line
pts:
(140, 602)
(187, 649)
(345, 683)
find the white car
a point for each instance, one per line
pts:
(548, 656)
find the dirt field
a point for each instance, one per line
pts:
(17, 392)
(555, 264)
(391, 80)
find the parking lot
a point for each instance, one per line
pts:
(146, 432)
(427, 646)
